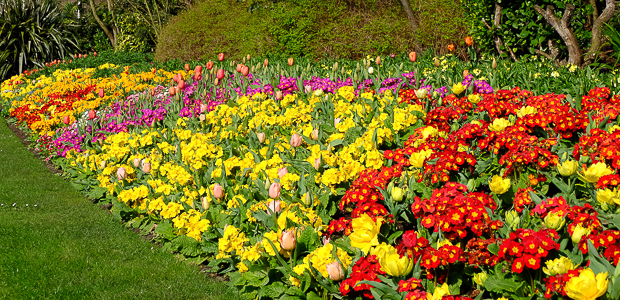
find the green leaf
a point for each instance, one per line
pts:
(499, 285)
(493, 248)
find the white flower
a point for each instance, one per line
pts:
(555, 74)
(370, 70)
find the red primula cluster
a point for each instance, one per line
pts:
(600, 145)
(446, 254)
(522, 198)
(607, 239)
(477, 252)
(453, 210)
(526, 248)
(363, 196)
(412, 245)
(366, 268)
(608, 181)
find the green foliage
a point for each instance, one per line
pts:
(34, 30)
(442, 22)
(300, 28)
(522, 28)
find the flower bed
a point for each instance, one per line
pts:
(375, 187)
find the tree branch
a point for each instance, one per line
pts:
(414, 24)
(107, 31)
(595, 42)
(562, 27)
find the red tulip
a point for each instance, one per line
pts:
(92, 114)
(198, 72)
(209, 65)
(220, 74)
(80, 56)
(220, 56)
(95, 54)
(101, 93)
(175, 78)
(412, 56)
(186, 67)
(66, 120)
(451, 47)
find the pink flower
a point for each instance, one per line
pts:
(296, 140)
(146, 167)
(218, 192)
(287, 240)
(274, 191)
(136, 162)
(101, 93)
(336, 121)
(274, 206)
(261, 137)
(121, 173)
(282, 172)
(279, 95)
(92, 114)
(315, 134)
(334, 270)
(317, 163)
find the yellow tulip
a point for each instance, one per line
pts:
(394, 265)
(587, 286)
(474, 98)
(480, 278)
(499, 185)
(499, 124)
(458, 88)
(596, 171)
(365, 232)
(607, 196)
(568, 168)
(439, 292)
(526, 110)
(554, 221)
(397, 194)
(417, 159)
(558, 266)
(579, 232)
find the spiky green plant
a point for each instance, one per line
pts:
(33, 32)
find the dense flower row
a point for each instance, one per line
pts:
(347, 188)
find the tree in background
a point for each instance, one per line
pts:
(33, 32)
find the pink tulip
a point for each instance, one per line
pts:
(220, 74)
(315, 134)
(245, 70)
(308, 88)
(202, 117)
(197, 71)
(171, 91)
(279, 95)
(239, 66)
(203, 107)
(287, 240)
(121, 173)
(66, 120)
(274, 191)
(261, 137)
(136, 162)
(282, 172)
(218, 192)
(146, 167)
(334, 269)
(274, 206)
(296, 140)
(209, 65)
(92, 114)
(101, 93)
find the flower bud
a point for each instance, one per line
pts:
(220, 57)
(378, 60)
(274, 191)
(136, 162)
(121, 173)
(436, 62)
(186, 67)
(579, 232)
(334, 270)
(261, 137)
(421, 93)
(315, 134)
(103, 164)
(282, 172)
(554, 221)
(308, 200)
(266, 62)
(146, 167)
(290, 61)
(205, 202)
(480, 278)
(218, 192)
(397, 194)
(412, 56)
(287, 240)
(494, 64)
(279, 95)
(317, 163)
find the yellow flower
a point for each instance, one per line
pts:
(607, 196)
(558, 266)
(417, 159)
(554, 221)
(526, 110)
(579, 232)
(568, 168)
(499, 124)
(365, 232)
(499, 185)
(439, 292)
(473, 98)
(394, 265)
(457, 88)
(596, 171)
(397, 194)
(480, 278)
(587, 286)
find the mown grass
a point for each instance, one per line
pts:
(61, 246)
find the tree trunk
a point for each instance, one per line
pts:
(497, 19)
(414, 24)
(111, 35)
(595, 42)
(563, 28)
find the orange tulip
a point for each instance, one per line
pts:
(186, 67)
(290, 61)
(412, 56)
(469, 41)
(451, 47)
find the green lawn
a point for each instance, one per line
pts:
(68, 248)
